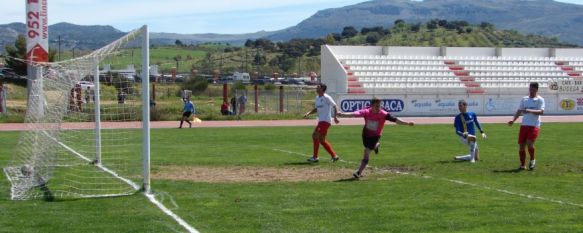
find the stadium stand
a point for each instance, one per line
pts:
(359, 71)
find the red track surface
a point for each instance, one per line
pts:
(307, 122)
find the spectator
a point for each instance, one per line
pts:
(88, 95)
(234, 105)
(225, 109)
(242, 103)
(121, 97)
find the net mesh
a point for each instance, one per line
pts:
(83, 134)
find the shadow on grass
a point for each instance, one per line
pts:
(47, 194)
(300, 163)
(351, 179)
(451, 161)
(515, 170)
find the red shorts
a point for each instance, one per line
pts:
(323, 127)
(527, 133)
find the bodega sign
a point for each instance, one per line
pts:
(389, 105)
(37, 31)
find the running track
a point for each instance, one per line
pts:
(307, 122)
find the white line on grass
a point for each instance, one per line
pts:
(169, 212)
(150, 197)
(459, 182)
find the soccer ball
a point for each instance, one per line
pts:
(26, 170)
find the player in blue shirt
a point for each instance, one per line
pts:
(465, 124)
(187, 111)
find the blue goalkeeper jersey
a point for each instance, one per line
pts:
(189, 107)
(465, 122)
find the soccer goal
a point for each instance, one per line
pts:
(87, 125)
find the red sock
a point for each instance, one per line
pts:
(316, 147)
(328, 148)
(522, 154)
(531, 153)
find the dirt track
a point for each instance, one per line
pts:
(307, 122)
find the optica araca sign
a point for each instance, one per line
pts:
(390, 105)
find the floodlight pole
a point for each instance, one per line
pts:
(146, 107)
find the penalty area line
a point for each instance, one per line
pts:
(169, 212)
(461, 183)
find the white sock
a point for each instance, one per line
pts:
(473, 150)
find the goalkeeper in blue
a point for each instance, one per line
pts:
(465, 124)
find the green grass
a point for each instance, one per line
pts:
(492, 199)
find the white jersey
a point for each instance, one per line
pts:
(324, 106)
(536, 103)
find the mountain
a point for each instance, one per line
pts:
(96, 36)
(541, 17)
(544, 17)
(71, 35)
(236, 39)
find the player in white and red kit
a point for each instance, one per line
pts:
(531, 107)
(374, 122)
(324, 106)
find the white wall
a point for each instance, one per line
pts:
(525, 52)
(465, 51)
(415, 51)
(355, 50)
(333, 73)
(569, 53)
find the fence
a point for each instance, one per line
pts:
(284, 99)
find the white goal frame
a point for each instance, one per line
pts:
(25, 177)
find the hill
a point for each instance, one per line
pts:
(97, 36)
(544, 17)
(539, 17)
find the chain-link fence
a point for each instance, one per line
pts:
(283, 99)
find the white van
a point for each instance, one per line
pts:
(242, 77)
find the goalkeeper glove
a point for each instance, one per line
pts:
(484, 136)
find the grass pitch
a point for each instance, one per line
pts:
(413, 184)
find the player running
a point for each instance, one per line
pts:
(374, 122)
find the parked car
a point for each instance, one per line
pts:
(85, 84)
(8, 73)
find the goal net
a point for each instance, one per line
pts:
(87, 125)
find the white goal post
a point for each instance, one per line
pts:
(85, 136)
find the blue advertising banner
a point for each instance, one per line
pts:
(389, 105)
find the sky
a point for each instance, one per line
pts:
(182, 16)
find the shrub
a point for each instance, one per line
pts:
(197, 85)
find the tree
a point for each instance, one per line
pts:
(373, 38)
(330, 39)
(400, 26)
(349, 32)
(17, 51)
(178, 43)
(265, 44)
(177, 58)
(486, 26)
(249, 43)
(259, 59)
(416, 27)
